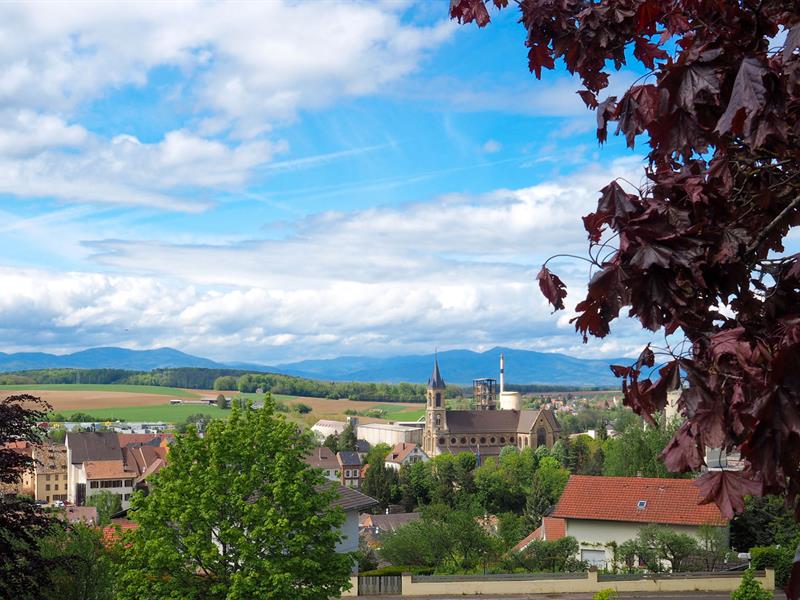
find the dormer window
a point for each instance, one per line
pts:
(641, 504)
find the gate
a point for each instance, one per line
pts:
(380, 585)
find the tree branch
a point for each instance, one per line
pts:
(771, 226)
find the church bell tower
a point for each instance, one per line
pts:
(436, 412)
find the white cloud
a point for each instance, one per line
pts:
(250, 64)
(492, 146)
(458, 271)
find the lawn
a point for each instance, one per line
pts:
(91, 387)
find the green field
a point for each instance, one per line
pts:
(91, 387)
(166, 413)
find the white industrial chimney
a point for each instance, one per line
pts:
(502, 375)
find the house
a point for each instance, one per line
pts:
(351, 502)
(601, 510)
(404, 453)
(386, 523)
(390, 433)
(349, 468)
(80, 514)
(25, 483)
(550, 530)
(113, 462)
(50, 473)
(323, 458)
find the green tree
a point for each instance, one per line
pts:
(378, 452)
(551, 556)
(712, 546)
(301, 408)
(548, 484)
(221, 401)
(381, 483)
(663, 543)
(107, 504)
(416, 483)
(637, 451)
(347, 439)
(750, 589)
(236, 514)
(82, 567)
(332, 443)
(765, 521)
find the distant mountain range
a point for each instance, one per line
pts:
(458, 366)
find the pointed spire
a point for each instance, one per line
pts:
(436, 382)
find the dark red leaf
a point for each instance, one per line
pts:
(792, 42)
(540, 56)
(747, 98)
(466, 11)
(589, 98)
(727, 489)
(683, 453)
(552, 287)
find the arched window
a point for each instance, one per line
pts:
(463, 441)
(541, 437)
(441, 441)
(438, 399)
(438, 421)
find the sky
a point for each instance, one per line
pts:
(274, 181)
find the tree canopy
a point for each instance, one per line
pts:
(236, 514)
(698, 250)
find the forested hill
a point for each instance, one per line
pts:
(243, 381)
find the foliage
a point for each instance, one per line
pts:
(719, 109)
(400, 569)
(107, 504)
(447, 539)
(236, 514)
(712, 546)
(636, 452)
(764, 522)
(301, 408)
(606, 594)
(503, 483)
(548, 484)
(347, 439)
(377, 453)
(332, 443)
(381, 482)
(82, 568)
(779, 558)
(81, 417)
(511, 528)
(365, 557)
(750, 589)
(657, 543)
(22, 522)
(199, 420)
(555, 556)
(221, 401)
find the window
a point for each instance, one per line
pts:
(541, 437)
(641, 504)
(94, 484)
(111, 483)
(502, 439)
(127, 496)
(492, 440)
(56, 487)
(438, 399)
(472, 440)
(463, 441)
(452, 440)
(483, 440)
(47, 477)
(47, 488)
(511, 439)
(441, 441)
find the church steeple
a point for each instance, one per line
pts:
(436, 382)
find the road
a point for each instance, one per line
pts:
(623, 596)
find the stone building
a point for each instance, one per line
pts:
(485, 431)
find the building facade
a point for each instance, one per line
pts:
(486, 430)
(50, 473)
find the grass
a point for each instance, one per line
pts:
(97, 387)
(166, 413)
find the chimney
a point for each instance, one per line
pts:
(502, 374)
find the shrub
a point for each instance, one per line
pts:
(750, 589)
(779, 558)
(606, 594)
(301, 408)
(399, 570)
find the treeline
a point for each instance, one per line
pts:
(298, 386)
(535, 388)
(230, 379)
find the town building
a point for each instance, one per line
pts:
(551, 530)
(24, 484)
(487, 429)
(352, 502)
(323, 458)
(600, 510)
(404, 453)
(350, 468)
(390, 433)
(50, 473)
(325, 428)
(377, 525)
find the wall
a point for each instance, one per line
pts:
(349, 530)
(594, 535)
(375, 435)
(577, 583)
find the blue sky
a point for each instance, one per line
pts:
(276, 181)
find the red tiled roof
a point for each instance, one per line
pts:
(112, 533)
(551, 529)
(400, 451)
(668, 501)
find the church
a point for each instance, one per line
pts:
(487, 429)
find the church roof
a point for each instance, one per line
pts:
(436, 382)
(491, 421)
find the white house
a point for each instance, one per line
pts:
(323, 458)
(389, 433)
(405, 453)
(352, 502)
(601, 510)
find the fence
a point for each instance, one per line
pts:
(555, 583)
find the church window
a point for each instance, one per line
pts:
(441, 441)
(438, 421)
(452, 440)
(511, 439)
(492, 440)
(541, 437)
(483, 440)
(471, 440)
(438, 399)
(502, 439)
(463, 441)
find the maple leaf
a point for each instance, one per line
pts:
(552, 287)
(589, 98)
(727, 489)
(466, 11)
(614, 201)
(792, 42)
(540, 56)
(700, 83)
(683, 451)
(647, 16)
(747, 98)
